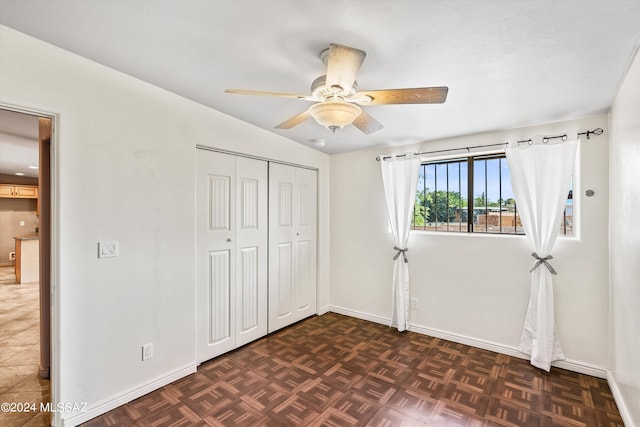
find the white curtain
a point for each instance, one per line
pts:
(540, 177)
(400, 178)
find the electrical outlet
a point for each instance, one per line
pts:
(414, 303)
(12, 256)
(107, 249)
(147, 351)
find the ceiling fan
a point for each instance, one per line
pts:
(337, 98)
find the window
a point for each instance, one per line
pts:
(472, 195)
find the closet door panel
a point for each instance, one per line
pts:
(251, 243)
(215, 257)
(292, 245)
(303, 279)
(218, 297)
(305, 208)
(284, 281)
(281, 296)
(248, 291)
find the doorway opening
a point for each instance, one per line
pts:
(25, 259)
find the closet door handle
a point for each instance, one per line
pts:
(229, 239)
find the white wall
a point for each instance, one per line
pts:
(474, 288)
(624, 200)
(124, 168)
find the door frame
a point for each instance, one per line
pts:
(52, 287)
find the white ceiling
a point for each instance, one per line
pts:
(507, 63)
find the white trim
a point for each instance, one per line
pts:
(625, 414)
(251, 156)
(120, 399)
(324, 310)
(581, 368)
(571, 365)
(359, 315)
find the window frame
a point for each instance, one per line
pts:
(469, 160)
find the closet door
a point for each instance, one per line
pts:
(292, 244)
(251, 249)
(231, 247)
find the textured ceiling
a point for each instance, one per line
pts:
(506, 63)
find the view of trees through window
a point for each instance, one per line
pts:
(472, 194)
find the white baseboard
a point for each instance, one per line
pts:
(359, 315)
(122, 398)
(571, 365)
(581, 368)
(620, 402)
(324, 310)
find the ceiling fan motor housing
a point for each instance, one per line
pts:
(320, 90)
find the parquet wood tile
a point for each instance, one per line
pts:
(334, 370)
(506, 413)
(266, 398)
(354, 408)
(412, 401)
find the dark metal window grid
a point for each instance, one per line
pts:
(472, 163)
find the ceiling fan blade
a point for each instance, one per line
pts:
(343, 64)
(366, 123)
(294, 121)
(418, 95)
(276, 94)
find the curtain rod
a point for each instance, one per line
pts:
(596, 131)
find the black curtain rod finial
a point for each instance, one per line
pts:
(596, 131)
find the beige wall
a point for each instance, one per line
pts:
(12, 211)
(17, 180)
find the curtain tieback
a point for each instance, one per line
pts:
(541, 261)
(401, 251)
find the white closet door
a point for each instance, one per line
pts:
(215, 222)
(251, 249)
(304, 219)
(292, 244)
(231, 247)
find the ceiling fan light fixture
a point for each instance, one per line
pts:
(334, 115)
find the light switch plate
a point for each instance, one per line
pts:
(147, 351)
(107, 249)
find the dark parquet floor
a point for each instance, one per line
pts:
(334, 370)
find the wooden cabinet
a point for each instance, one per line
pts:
(25, 192)
(18, 191)
(6, 190)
